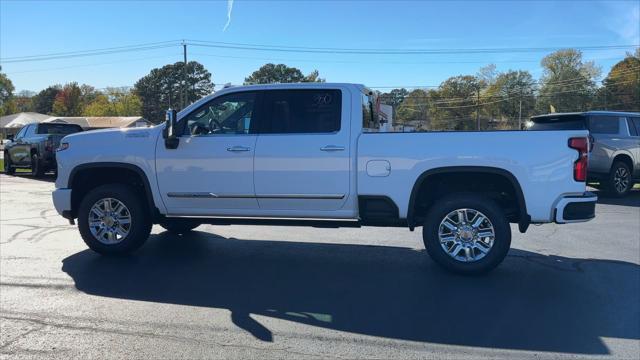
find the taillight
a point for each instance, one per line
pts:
(580, 166)
(48, 145)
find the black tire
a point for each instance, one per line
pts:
(140, 227)
(36, 166)
(483, 204)
(179, 226)
(615, 181)
(8, 169)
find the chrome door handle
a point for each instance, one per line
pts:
(238, 148)
(332, 148)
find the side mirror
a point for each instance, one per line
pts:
(171, 141)
(10, 137)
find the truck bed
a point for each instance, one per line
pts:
(541, 160)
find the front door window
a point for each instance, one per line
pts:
(229, 114)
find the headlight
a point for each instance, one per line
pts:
(63, 146)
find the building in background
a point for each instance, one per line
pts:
(10, 124)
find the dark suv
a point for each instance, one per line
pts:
(34, 146)
(614, 160)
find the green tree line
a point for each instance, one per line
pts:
(491, 99)
(504, 100)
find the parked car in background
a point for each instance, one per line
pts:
(316, 154)
(615, 151)
(34, 146)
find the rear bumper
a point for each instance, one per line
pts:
(578, 208)
(62, 202)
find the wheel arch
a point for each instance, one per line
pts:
(82, 171)
(624, 157)
(523, 217)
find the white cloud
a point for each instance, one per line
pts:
(229, 9)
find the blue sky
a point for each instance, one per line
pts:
(42, 27)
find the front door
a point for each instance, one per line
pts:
(302, 161)
(211, 170)
(19, 150)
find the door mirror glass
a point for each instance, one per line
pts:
(171, 140)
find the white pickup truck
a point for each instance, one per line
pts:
(314, 155)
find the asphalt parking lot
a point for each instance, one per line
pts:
(288, 292)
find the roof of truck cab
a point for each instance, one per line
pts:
(585, 113)
(283, 86)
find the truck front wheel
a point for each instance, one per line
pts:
(8, 169)
(112, 220)
(467, 233)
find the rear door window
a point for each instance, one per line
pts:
(604, 124)
(302, 111)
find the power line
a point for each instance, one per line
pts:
(390, 51)
(91, 65)
(370, 61)
(295, 49)
(85, 53)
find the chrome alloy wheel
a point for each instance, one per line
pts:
(466, 235)
(109, 221)
(621, 179)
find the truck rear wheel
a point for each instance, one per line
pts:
(619, 182)
(467, 233)
(113, 220)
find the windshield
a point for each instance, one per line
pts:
(58, 129)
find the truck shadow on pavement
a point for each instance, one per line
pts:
(27, 175)
(632, 199)
(531, 302)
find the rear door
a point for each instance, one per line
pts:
(609, 138)
(302, 155)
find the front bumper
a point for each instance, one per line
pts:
(579, 208)
(62, 202)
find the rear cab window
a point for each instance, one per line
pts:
(558, 122)
(58, 129)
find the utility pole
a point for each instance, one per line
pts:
(520, 111)
(184, 76)
(478, 109)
